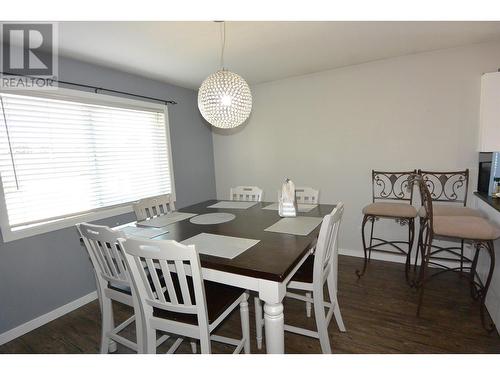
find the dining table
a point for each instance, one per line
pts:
(264, 268)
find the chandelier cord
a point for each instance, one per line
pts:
(223, 42)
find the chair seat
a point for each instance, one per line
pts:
(465, 227)
(305, 273)
(120, 288)
(389, 209)
(450, 210)
(126, 289)
(218, 296)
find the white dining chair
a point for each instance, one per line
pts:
(310, 278)
(151, 207)
(181, 303)
(304, 195)
(246, 193)
(113, 283)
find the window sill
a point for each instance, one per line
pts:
(13, 235)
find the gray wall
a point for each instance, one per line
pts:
(41, 273)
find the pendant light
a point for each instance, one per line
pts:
(224, 97)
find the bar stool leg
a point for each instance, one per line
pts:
(419, 243)
(473, 289)
(461, 257)
(491, 251)
(371, 239)
(365, 261)
(426, 254)
(411, 238)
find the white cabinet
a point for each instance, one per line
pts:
(489, 122)
(483, 265)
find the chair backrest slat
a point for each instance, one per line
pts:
(181, 275)
(141, 273)
(96, 247)
(165, 269)
(246, 193)
(112, 262)
(151, 207)
(107, 258)
(156, 282)
(121, 265)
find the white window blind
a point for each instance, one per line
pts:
(61, 158)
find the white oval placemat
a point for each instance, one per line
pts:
(215, 218)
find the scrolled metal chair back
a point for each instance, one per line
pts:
(392, 185)
(449, 187)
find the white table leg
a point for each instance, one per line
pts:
(274, 322)
(272, 294)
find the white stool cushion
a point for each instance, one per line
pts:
(450, 210)
(389, 209)
(466, 227)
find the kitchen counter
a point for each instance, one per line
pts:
(493, 202)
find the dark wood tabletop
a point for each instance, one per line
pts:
(273, 258)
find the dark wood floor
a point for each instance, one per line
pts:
(378, 311)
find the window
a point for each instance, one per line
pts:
(67, 156)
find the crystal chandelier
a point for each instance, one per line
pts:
(224, 98)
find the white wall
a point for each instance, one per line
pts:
(329, 129)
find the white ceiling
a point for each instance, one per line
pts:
(184, 53)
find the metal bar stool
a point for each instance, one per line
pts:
(392, 198)
(478, 230)
(449, 190)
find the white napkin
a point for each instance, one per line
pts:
(287, 204)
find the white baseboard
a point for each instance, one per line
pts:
(46, 318)
(375, 255)
(388, 257)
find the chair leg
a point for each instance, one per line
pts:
(491, 251)
(139, 334)
(319, 314)
(308, 305)
(151, 340)
(472, 275)
(245, 323)
(371, 239)
(258, 321)
(411, 238)
(332, 291)
(366, 218)
(106, 324)
(193, 346)
(139, 326)
(461, 257)
(419, 243)
(205, 346)
(426, 254)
